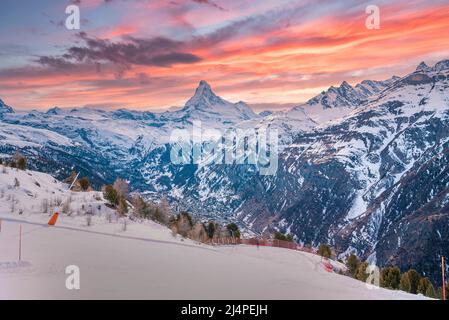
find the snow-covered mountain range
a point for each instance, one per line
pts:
(362, 167)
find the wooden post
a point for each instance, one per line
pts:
(442, 273)
(20, 243)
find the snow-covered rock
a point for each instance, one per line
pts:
(5, 109)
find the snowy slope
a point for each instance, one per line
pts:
(145, 261)
(29, 192)
(25, 136)
(115, 267)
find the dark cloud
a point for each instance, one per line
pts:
(173, 58)
(165, 52)
(159, 51)
(54, 62)
(210, 3)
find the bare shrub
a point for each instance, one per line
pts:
(66, 207)
(122, 188)
(44, 205)
(88, 220)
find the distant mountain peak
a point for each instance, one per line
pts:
(54, 111)
(203, 88)
(346, 85)
(204, 84)
(442, 65)
(265, 113)
(423, 67)
(343, 96)
(205, 95)
(4, 108)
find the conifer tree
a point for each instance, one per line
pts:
(414, 280)
(234, 230)
(390, 277)
(405, 284)
(111, 195)
(84, 183)
(360, 273)
(430, 292)
(352, 264)
(423, 285)
(324, 250)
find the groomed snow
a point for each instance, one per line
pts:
(145, 261)
(115, 267)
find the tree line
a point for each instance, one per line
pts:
(391, 277)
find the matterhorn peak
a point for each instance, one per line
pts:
(203, 89)
(205, 95)
(423, 67)
(207, 106)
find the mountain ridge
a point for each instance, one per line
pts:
(339, 167)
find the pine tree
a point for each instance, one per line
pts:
(390, 277)
(282, 237)
(84, 183)
(111, 195)
(439, 293)
(19, 161)
(360, 273)
(352, 264)
(414, 280)
(210, 229)
(234, 230)
(324, 250)
(405, 284)
(423, 285)
(430, 292)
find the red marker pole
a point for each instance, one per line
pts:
(0, 225)
(20, 243)
(442, 273)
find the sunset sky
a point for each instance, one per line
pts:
(151, 54)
